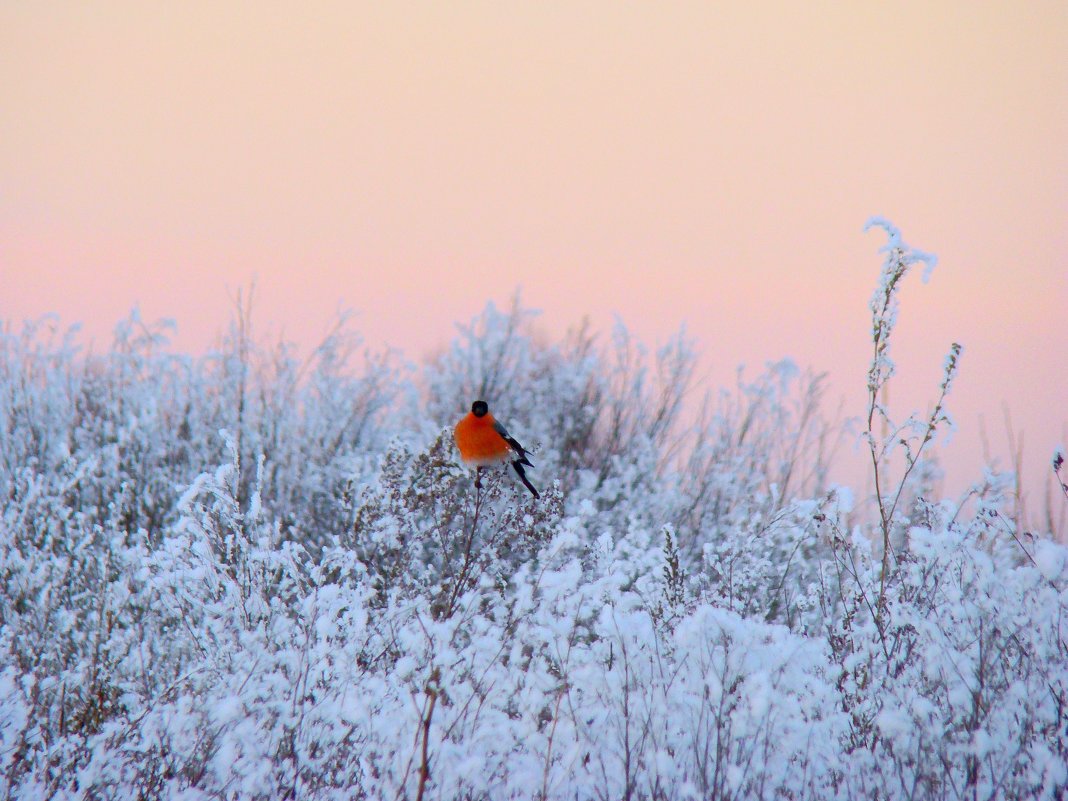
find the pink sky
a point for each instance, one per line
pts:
(669, 162)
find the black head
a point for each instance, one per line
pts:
(479, 408)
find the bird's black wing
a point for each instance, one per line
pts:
(521, 452)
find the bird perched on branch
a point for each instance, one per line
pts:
(483, 441)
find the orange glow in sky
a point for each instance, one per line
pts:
(700, 162)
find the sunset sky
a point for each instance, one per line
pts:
(701, 163)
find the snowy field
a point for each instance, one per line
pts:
(253, 575)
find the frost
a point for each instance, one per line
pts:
(255, 576)
(1050, 559)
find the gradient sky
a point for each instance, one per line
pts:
(697, 162)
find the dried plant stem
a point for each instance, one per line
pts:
(431, 691)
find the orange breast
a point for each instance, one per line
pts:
(478, 442)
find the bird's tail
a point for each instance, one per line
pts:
(518, 465)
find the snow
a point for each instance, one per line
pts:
(281, 598)
(1050, 559)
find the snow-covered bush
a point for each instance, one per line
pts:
(256, 575)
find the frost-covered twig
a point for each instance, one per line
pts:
(884, 306)
(1058, 462)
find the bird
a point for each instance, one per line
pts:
(483, 441)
